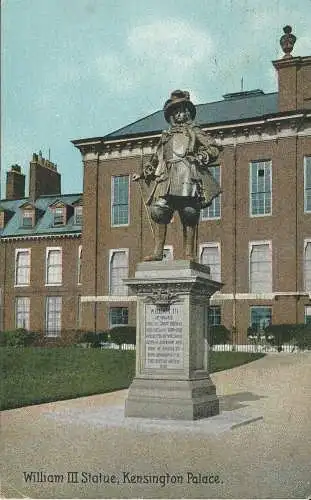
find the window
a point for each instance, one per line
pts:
(118, 271)
(260, 317)
(213, 211)
(118, 316)
(260, 188)
(53, 266)
(120, 200)
(80, 265)
(28, 217)
(260, 267)
(210, 256)
(168, 254)
(22, 267)
(307, 183)
(214, 315)
(2, 219)
(79, 311)
(59, 216)
(22, 312)
(308, 315)
(53, 316)
(307, 266)
(78, 215)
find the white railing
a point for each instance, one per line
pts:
(220, 347)
(253, 348)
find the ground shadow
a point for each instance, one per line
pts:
(235, 401)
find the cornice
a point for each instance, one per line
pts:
(286, 62)
(4, 239)
(248, 131)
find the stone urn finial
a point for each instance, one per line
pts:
(287, 41)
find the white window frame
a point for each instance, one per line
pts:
(113, 177)
(264, 162)
(27, 322)
(48, 249)
(213, 308)
(252, 244)
(2, 219)
(17, 251)
(79, 311)
(112, 251)
(170, 248)
(117, 324)
(28, 213)
(64, 216)
(211, 244)
(307, 306)
(55, 333)
(259, 307)
(79, 267)
(216, 217)
(307, 159)
(305, 243)
(76, 215)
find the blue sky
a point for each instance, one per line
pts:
(83, 68)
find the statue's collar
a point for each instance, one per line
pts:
(183, 127)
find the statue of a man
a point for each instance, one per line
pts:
(179, 174)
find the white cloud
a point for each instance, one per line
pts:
(114, 72)
(303, 45)
(170, 44)
(164, 54)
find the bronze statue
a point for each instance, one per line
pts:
(179, 174)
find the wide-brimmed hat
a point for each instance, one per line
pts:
(178, 97)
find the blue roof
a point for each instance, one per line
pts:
(235, 107)
(44, 224)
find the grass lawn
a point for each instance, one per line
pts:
(37, 375)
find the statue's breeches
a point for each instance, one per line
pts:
(162, 209)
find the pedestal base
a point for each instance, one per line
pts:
(172, 399)
(172, 379)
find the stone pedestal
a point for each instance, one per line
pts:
(172, 379)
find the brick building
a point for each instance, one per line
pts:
(256, 237)
(40, 252)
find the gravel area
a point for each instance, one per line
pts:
(260, 446)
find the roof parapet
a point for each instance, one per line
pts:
(243, 94)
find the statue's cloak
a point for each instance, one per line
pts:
(180, 165)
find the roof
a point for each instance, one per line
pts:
(234, 107)
(44, 224)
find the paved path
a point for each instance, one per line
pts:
(268, 458)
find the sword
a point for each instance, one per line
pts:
(142, 194)
(146, 208)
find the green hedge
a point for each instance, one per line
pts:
(218, 335)
(122, 335)
(18, 338)
(295, 334)
(93, 338)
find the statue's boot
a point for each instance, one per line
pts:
(160, 235)
(189, 233)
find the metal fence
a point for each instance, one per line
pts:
(229, 347)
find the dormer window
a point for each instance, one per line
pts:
(29, 215)
(1, 219)
(78, 215)
(28, 218)
(59, 216)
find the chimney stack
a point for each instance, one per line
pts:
(44, 178)
(15, 183)
(294, 76)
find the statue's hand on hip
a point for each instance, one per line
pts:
(136, 177)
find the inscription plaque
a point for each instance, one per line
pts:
(164, 336)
